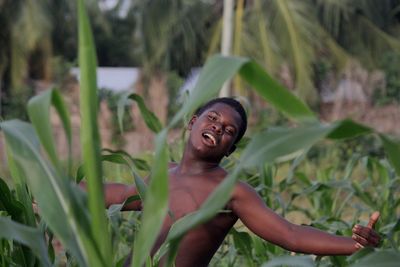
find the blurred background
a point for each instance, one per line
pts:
(342, 57)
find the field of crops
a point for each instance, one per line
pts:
(300, 171)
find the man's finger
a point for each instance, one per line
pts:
(360, 240)
(373, 219)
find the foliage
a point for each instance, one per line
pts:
(80, 222)
(390, 63)
(325, 196)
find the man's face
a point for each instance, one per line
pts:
(214, 132)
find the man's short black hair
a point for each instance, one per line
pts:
(233, 104)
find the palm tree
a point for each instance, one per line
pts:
(25, 31)
(296, 33)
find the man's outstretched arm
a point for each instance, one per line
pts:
(115, 193)
(264, 222)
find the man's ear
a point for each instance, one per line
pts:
(191, 122)
(231, 150)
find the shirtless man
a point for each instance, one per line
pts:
(214, 131)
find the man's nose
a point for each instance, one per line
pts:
(217, 127)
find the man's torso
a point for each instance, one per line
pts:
(186, 195)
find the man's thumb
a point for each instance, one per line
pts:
(373, 219)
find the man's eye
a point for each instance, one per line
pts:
(229, 131)
(212, 117)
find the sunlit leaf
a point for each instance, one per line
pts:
(90, 139)
(149, 118)
(273, 92)
(60, 206)
(155, 204)
(290, 261)
(39, 114)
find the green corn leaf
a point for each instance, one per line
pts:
(90, 138)
(277, 95)
(121, 104)
(150, 119)
(140, 164)
(274, 143)
(20, 185)
(392, 149)
(115, 158)
(386, 258)
(8, 202)
(290, 261)
(360, 254)
(120, 158)
(243, 242)
(26, 235)
(18, 213)
(155, 203)
(116, 208)
(348, 129)
(61, 207)
(39, 114)
(216, 71)
(364, 196)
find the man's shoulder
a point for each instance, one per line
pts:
(241, 189)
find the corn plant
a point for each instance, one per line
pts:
(79, 219)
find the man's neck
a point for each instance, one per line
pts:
(191, 164)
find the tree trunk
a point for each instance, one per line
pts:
(226, 43)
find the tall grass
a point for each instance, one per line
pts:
(79, 219)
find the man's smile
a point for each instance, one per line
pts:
(209, 138)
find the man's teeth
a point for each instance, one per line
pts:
(212, 138)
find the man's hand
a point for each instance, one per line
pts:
(365, 236)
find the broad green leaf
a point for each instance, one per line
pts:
(216, 71)
(8, 202)
(20, 181)
(274, 143)
(18, 213)
(60, 206)
(149, 118)
(392, 149)
(39, 114)
(348, 129)
(26, 235)
(243, 242)
(290, 261)
(360, 254)
(277, 95)
(384, 258)
(122, 102)
(123, 158)
(120, 158)
(364, 196)
(90, 139)
(116, 208)
(140, 164)
(155, 203)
